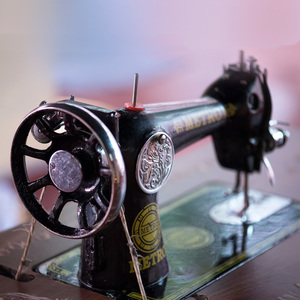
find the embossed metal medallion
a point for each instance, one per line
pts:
(146, 230)
(155, 162)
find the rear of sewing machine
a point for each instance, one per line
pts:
(195, 174)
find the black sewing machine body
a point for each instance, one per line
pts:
(123, 158)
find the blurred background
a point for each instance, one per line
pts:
(91, 49)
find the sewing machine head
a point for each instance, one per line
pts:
(111, 161)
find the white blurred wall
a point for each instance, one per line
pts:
(25, 65)
(51, 48)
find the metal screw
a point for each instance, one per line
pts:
(43, 103)
(162, 138)
(252, 61)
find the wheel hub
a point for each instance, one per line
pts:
(65, 171)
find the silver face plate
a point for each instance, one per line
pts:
(65, 171)
(155, 162)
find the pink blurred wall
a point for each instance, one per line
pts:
(177, 47)
(51, 49)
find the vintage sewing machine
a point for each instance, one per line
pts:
(100, 165)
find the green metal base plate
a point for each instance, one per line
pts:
(199, 250)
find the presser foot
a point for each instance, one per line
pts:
(232, 210)
(243, 206)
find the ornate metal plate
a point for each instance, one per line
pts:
(155, 162)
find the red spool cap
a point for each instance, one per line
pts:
(136, 107)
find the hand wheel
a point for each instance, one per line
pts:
(84, 164)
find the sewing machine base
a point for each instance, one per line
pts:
(199, 249)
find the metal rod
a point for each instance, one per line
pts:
(246, 197)
(29, 237)
(133, 254)
(270, 170)
(116, 116)
(237, 185)
(135, 86)
(242, 61)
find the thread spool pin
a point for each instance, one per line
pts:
(134, 106)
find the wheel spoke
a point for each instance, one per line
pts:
(32, 152)
(39, 183)
(100, 203)
(81, 215)
(57, 208)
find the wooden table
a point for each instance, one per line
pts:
(273, 275)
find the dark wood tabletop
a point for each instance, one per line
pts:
(274, 274)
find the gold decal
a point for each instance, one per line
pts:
(230, 110)
(178, 125)
(210, 118)
(189, 124)
(137, 296)
(198, 119)
(197, 122)
(150, 260)
(160, 255)
(219, 115)
(146, 231)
